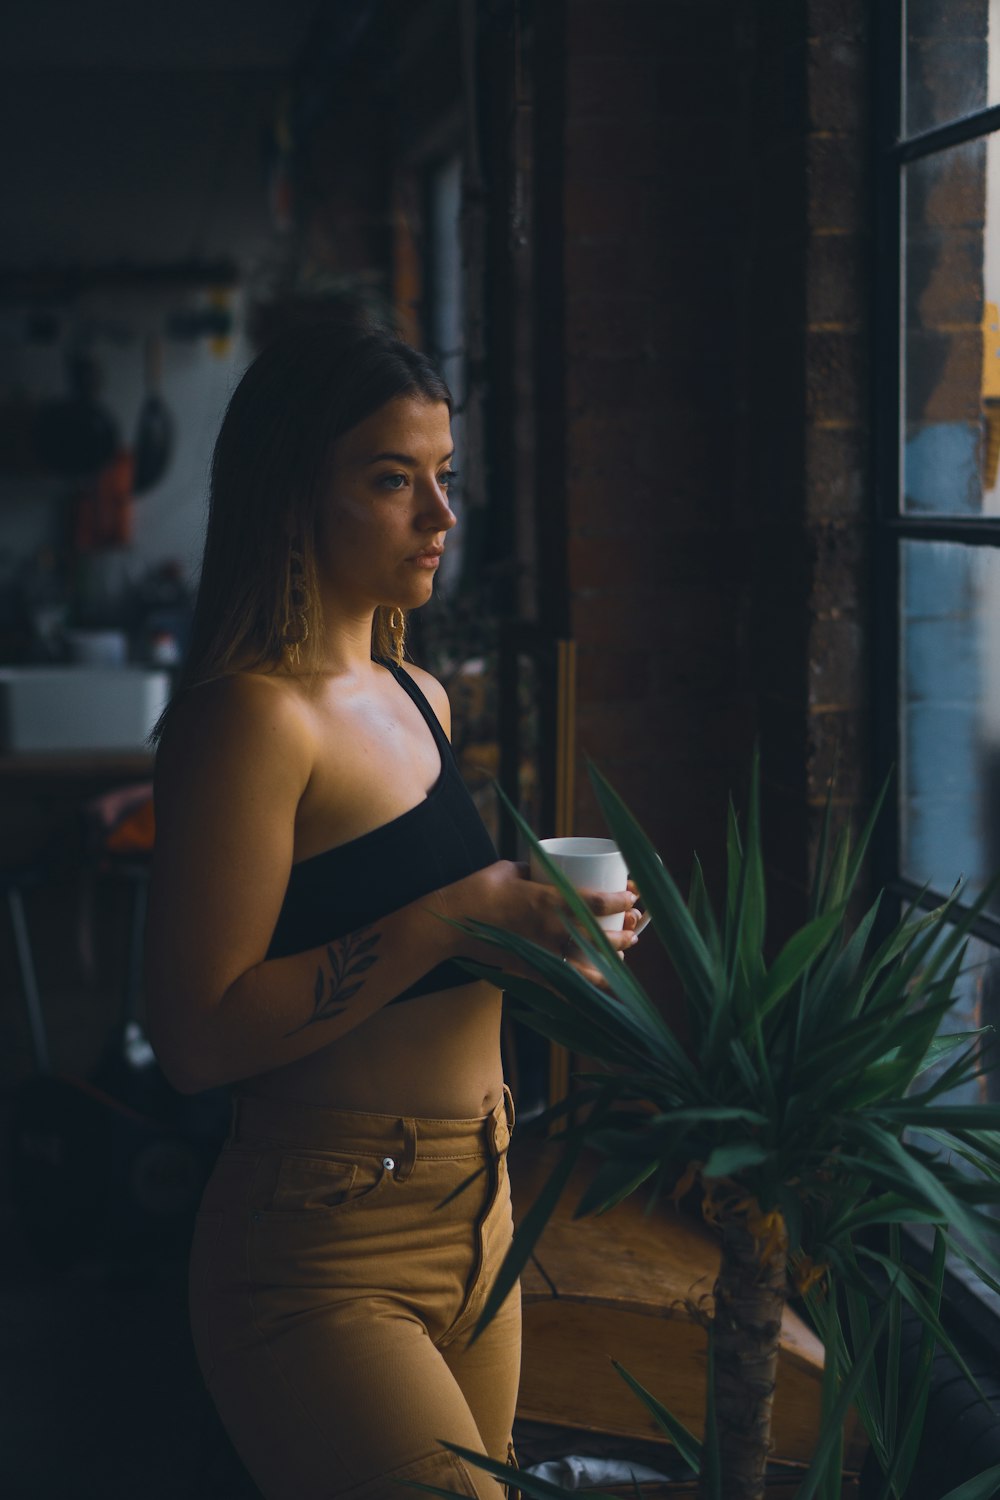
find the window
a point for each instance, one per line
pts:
(937, 444)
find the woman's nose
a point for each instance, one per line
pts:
(437, 514)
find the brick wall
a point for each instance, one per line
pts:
(716, 283)
(838, 499)
(650, 234)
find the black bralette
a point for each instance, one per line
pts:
(352, 885)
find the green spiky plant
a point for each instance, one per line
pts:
(787, 1110)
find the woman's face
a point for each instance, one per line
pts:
(382, 528)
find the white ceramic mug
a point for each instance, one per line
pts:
(589, 865)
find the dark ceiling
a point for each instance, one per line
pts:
(138, 132)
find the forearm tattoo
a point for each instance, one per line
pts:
(349, 958)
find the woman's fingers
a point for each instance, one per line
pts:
(621, 942)
(609, 903)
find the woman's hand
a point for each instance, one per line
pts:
(505, 896)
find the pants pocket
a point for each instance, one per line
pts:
(307, 1185)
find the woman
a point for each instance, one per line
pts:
(312, 833)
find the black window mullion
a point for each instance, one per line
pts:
(973, 531)
(887, 291)
(986, 926)
(943, 137)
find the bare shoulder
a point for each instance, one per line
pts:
(246, 715)
(433, 692)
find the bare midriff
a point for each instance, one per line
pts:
(436, 1056)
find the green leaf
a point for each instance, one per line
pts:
(701, 911)
(575, 1036)
(834, 1364)
(824, 1066)
(699, 1113)
(529, 1231)
(672, 922)
(735, 952)
(611, 1183)
(906, 948)
(725, 1161)
(864, 839)
(923, 1308)
(711, 1473)
(528, 1484)
(869, 1399)
(925, 1185)
(755, 899)
(944, 1116)
(614, 1016)
(977, 1270)
(620, 978)
(984, 1487)
(941, 1046)
(836, 989)
(908, 1445)
(963, 1070)
(685, 1442)
(734, 868)
(985, 1163)
(894, 1338)
(745, 1070)
(466, 1183)
(822, 853)
(834, 895)
(799, 952)
(888, 1208)
(832, 1430)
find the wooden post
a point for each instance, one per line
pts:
(565, 801)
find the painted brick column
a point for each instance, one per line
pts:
(649, 251)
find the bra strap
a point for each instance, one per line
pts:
(407, 683)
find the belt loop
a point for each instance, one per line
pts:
(408, 1159)
(500, 1123)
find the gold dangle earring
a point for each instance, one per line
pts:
(295, 630)
(397, 629)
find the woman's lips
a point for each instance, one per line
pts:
(426, 560)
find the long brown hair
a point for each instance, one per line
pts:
(308, 387)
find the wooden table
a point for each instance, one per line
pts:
(622, 1287)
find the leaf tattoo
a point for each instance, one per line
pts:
(348, 957)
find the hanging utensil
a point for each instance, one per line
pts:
(77, 436)
(154, 438)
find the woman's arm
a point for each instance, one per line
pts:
(234, 763)
(232, 769)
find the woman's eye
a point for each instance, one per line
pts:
(398, 482)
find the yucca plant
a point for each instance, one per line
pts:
(788, 1111)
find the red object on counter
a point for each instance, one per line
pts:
(103, 509)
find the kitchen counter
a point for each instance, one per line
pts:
(106, 766)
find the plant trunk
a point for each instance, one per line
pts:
(749, 1298)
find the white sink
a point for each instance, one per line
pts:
(79, 707)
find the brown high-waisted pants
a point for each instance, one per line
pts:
(334, 1292)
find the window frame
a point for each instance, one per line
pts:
(893, 152)
(971, 1302)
